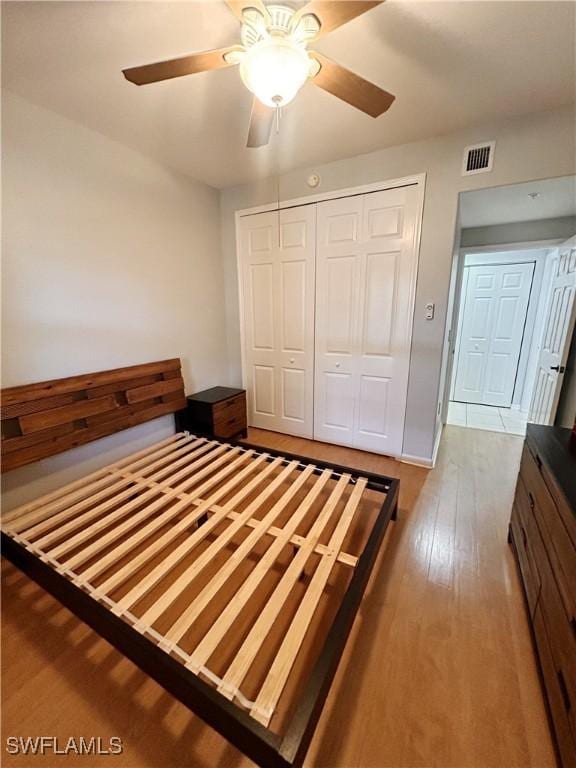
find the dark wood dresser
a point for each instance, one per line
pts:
(219, 412)
(543, 533)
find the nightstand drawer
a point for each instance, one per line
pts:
(224, 411)
(230, 426)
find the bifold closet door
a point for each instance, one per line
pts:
(366, 266)
(277, 264)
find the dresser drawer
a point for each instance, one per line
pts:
(558, 543)
(530, 576)
(561, 632)
(533, 549)
(555, 694)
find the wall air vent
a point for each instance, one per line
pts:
(478, 158)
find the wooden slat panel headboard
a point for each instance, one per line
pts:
(39, 420)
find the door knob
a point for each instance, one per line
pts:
(559, 368)
(291, 359)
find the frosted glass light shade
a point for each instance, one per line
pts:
(274, 70)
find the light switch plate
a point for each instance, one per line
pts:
(429, 311)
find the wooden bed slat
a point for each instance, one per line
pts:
(251, 646)
(122, 488)
(144, 586)
(86, 533)
(119, 577)
(60, 509)
(187, 500)
(165, 517)
(95, 404)
(86, 482)
(208, 644)
(286, 656)
(296, 540)
(200, 563)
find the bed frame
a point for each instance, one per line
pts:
(153, 525)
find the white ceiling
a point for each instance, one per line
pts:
(450, 64)
(505, 205)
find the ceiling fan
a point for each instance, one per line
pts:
(274, 60)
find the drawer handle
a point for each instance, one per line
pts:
(564, 691)
(573, 624)
(531, 500)
(524, 537)
(231, 421)
(538, 460)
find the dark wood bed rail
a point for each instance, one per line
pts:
(48, 417)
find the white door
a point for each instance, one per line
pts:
(491, 332)
(556, 337)
(277, 264)
(365, 283)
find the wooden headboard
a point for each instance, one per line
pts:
(49, 417)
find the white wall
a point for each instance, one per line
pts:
(520, 232)
(108, 260)
(532, 147)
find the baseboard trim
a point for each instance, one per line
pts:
(416, 461)
(421, 461)
(437, 443)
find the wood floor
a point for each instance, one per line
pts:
(438, 671)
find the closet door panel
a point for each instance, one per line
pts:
(258, 285)
(338, 266)
(295, 292)
(387, 304)
(366, 270)
(339, 278)
(373, 417)
(379, 285)
(338, 411)
(261, 297)
(263, 390)
(277, 263)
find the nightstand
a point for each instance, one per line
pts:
(219, 411)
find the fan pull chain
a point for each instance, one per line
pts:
(278, 102)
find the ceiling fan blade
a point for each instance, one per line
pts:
(237, 7)
(334, 13)
(349, 87)
(187, 65)
(261, 121)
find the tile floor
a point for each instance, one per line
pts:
(487, 417)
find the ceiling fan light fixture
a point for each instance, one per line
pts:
(275, 69)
